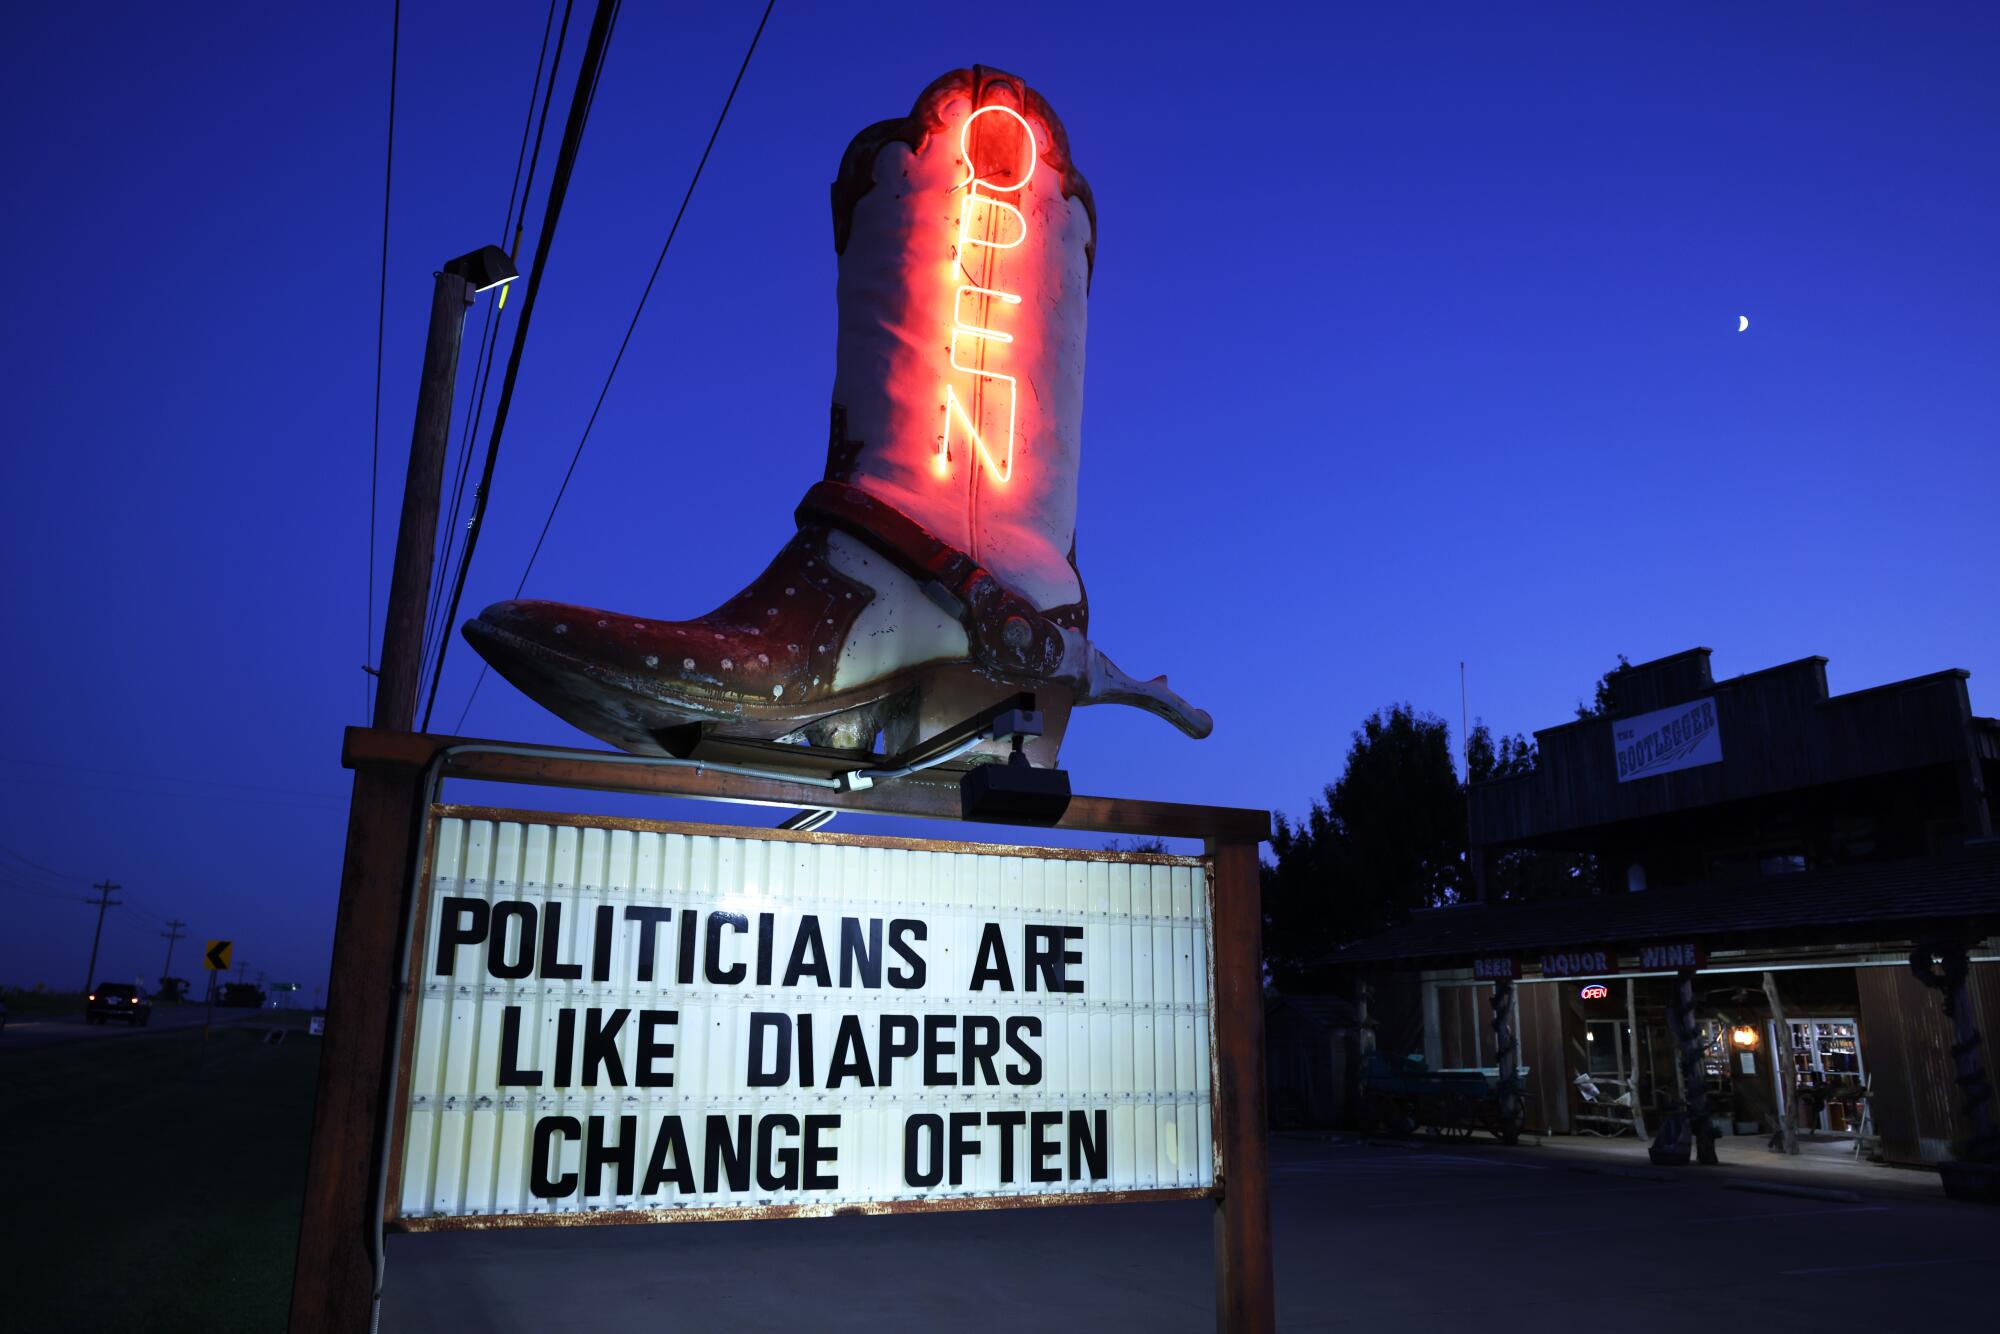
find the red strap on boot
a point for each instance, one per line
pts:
(1008, 633)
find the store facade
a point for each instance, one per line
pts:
(1794, 922)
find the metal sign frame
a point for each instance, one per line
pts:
(413, 981)
(396, 781)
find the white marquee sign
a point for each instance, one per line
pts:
(686, 1020)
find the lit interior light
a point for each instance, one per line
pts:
(1744, 1036)
(970, 335)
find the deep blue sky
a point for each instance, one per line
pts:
(1413, 340)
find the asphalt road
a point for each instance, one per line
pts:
(1367, 1238)
(41, 1029)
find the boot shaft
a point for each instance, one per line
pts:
(966, 238)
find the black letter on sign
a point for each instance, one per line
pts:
(600, 943)
(1086, 1147)
(990, 963)
(857, 957)
(893, 1046)
(565, 1048)
(777, 1169)
(1020, 1027)
(733, 974)
(816, 1153)
(546, 1186)
(552, 945)
(451, 935)
(596, 1154)
(762, 1022)
(766, 924)
(684, 957)
(1042, 1145)
(669, 1140)
(510, 1050)
(964, 1143)
(910, 977)
(808, 940)
(940, 1040)
(1008, 1123)
(850, 1056)
(982, 1044)
(496, 941)
(1047, 957)
(648, 919)
(931, 1125)
(651, 1048)
(600, 1048)
(731, 1156)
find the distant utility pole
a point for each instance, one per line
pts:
(172, 934)
(105, 889)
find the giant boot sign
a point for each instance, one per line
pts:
(934, 570)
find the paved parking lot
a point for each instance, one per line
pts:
(1368, 1237)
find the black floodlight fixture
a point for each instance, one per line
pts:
(1014, 793)
(484, 269)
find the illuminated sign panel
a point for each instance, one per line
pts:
(1578, 962)
(1595, 991)
(988, 226)
(659, 1022)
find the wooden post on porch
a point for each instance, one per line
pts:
(1632, 1074)
(1694, 1078)
(1973, 1173)
(1786, 1075)
(1507, 1052)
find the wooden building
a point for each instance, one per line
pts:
(1794, 917)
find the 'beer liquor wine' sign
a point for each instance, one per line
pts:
(648, 1021)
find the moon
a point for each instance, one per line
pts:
(1742, 323)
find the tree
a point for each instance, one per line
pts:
(1387, 838)
(1600, 700)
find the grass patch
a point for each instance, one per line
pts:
(154, 1186)
(38, 1004)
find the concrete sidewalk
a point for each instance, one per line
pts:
(1821, 1165)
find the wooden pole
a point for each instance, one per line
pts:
(333, 1283)
(1786, 1074)
(1244, 1302)
(416, 533)
(1632, 1038)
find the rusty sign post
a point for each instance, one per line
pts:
(388, 938)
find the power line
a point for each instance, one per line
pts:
(633, 325)
(60, 875)
(586, 81)
(482, 369)
(381, 309)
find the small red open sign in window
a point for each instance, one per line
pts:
(1595, 991)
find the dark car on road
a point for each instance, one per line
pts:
(118, 1000)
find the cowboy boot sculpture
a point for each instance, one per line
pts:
(934, 571)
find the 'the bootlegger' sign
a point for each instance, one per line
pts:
(645, 1020)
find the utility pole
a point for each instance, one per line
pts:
(105, 889)
(172, 933)
(416, 533)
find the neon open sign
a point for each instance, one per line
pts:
(987, 226)
(1595, 991)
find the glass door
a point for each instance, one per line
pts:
(1826, 1054)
